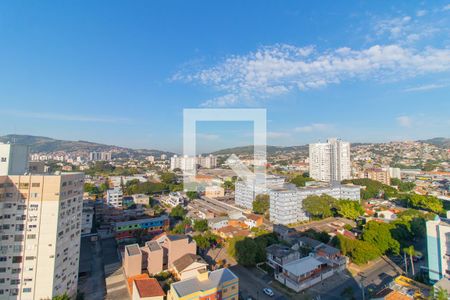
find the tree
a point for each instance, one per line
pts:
(379, 235)
(178, 212)
(411, 252)
(261, 204)
(429, 203)
(349, 209)
(192, 195)
(360, 252)
(403, 186)
(202, 242)
(300, 180)
(200, 225)
(319, 206)
(373, 188)
(440, 294)
(168, 177)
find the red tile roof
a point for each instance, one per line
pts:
(149, 287)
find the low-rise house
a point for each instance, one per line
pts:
(387, 215)
(279, 255)
(174, 199)
(214, 191)
(217, 223)
(303, 273)
(141, 199)
(158, 254)
(147, 289)
(229, 232)
(218, 284)
(188, 266)
(253, 220)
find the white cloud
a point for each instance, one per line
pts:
(63, 117)
(405, 121)
(313, 127)
(421, 13)
(276, 70)
(447, 7)
(425, 87)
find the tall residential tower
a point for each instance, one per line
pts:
(330, 161)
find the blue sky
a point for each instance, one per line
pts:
(122, 72)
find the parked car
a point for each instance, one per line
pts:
(268, 292)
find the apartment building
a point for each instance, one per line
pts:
(219, 284)
(286, 203)
(184, 163)
(438, 248)
(114, 197)
(330, 161)
(189, 163)
(40, 224)
(377, 174)
(13, 159)
(214, 191)
(149, 226)
(99, 156)
(246, 191)
(87, 217)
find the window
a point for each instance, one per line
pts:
(3, 159)
(35, 184)
(23, 185)
(31, 236)
(26, 290)
(2, 270)
(3, 258)
(17, 259)
(16, 271)
(18, 238)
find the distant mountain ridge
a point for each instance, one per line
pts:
(46, 145)
(439, 142)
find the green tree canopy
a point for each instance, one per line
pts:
(360, 252)
(349, 209)
(261, 204)
(319, 206)
(379, 235)
(403, 186)
(200, 225)
(192, 195)
(300, 180)
(429, 203)
(178, 212)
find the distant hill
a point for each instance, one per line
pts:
(248, 150)
(439, 142)
(46, 144)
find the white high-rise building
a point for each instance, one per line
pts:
(438, 248)
(40, 224)
(13, 159)
(330, 161)
(184, 163)
(207, 162)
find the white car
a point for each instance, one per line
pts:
(268, 292)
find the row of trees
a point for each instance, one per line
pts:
(325, 206)
(385, 238)
(168, 183)
(250, 251)
(374, 189)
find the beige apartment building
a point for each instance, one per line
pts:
(380, 175)
(40, 229)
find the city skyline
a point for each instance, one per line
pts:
(368, 73)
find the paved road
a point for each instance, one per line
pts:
(252, 282)
(94, 287)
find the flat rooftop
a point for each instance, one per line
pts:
(133, 249)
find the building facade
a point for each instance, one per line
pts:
(40, 217)
(114, 197)
(13, 159)
(330, 161)
(438, 246)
